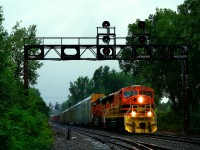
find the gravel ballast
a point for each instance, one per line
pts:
(76, 142)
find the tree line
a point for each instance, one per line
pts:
(166, 77)
(23, 120)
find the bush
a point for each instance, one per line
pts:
(170, 121)
(195, 122)
(21, 129)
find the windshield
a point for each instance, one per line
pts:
(148, 93)
(129, 93)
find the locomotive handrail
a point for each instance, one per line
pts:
(104, 116)
(126, 114)
(155, 115)
(145, 108)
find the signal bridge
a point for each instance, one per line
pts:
(105, 46)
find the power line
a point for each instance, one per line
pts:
(54, 97)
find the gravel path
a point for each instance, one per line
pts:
(77, 142)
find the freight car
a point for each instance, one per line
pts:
(80, 113)
(130, 108)
(54, 118)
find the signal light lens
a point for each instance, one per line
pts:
(106, 24)
(142, 39)
(106, 51)
(141, 24)
(106, 39)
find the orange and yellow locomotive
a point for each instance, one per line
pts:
(131, 107)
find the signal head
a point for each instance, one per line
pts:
(141, 24)
(142, 39)
(106, 24)
(106, 51)
(106, 39)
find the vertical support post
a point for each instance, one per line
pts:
(108, 30)
(186, 109)
(25, 77)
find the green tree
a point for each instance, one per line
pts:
(23, 121)
(64, 105)
(8, 85)
(99, 79)
(68, 103)
(80, 89)
(189, 12)
(189, 23)
(36, 102)
(170, 27)
(107, 81)
(18, 38)
(164, 76)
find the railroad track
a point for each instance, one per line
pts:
(167, 137)
(112, 141)
(173, 138)
(121, 140)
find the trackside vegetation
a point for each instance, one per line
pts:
(166, 77)
(23, 120)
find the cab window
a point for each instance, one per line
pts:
(129, 93)
(147, 93)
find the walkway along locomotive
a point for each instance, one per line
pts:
(130, 108)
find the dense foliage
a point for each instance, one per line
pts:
(23, 120)
(170, 27)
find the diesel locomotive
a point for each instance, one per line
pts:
(130, 108)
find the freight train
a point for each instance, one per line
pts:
(131, 108)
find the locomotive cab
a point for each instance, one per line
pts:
(140, 116)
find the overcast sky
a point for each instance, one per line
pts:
(75, 18)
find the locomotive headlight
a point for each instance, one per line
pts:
(140, 99)
(149, 113)
(133, 113)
